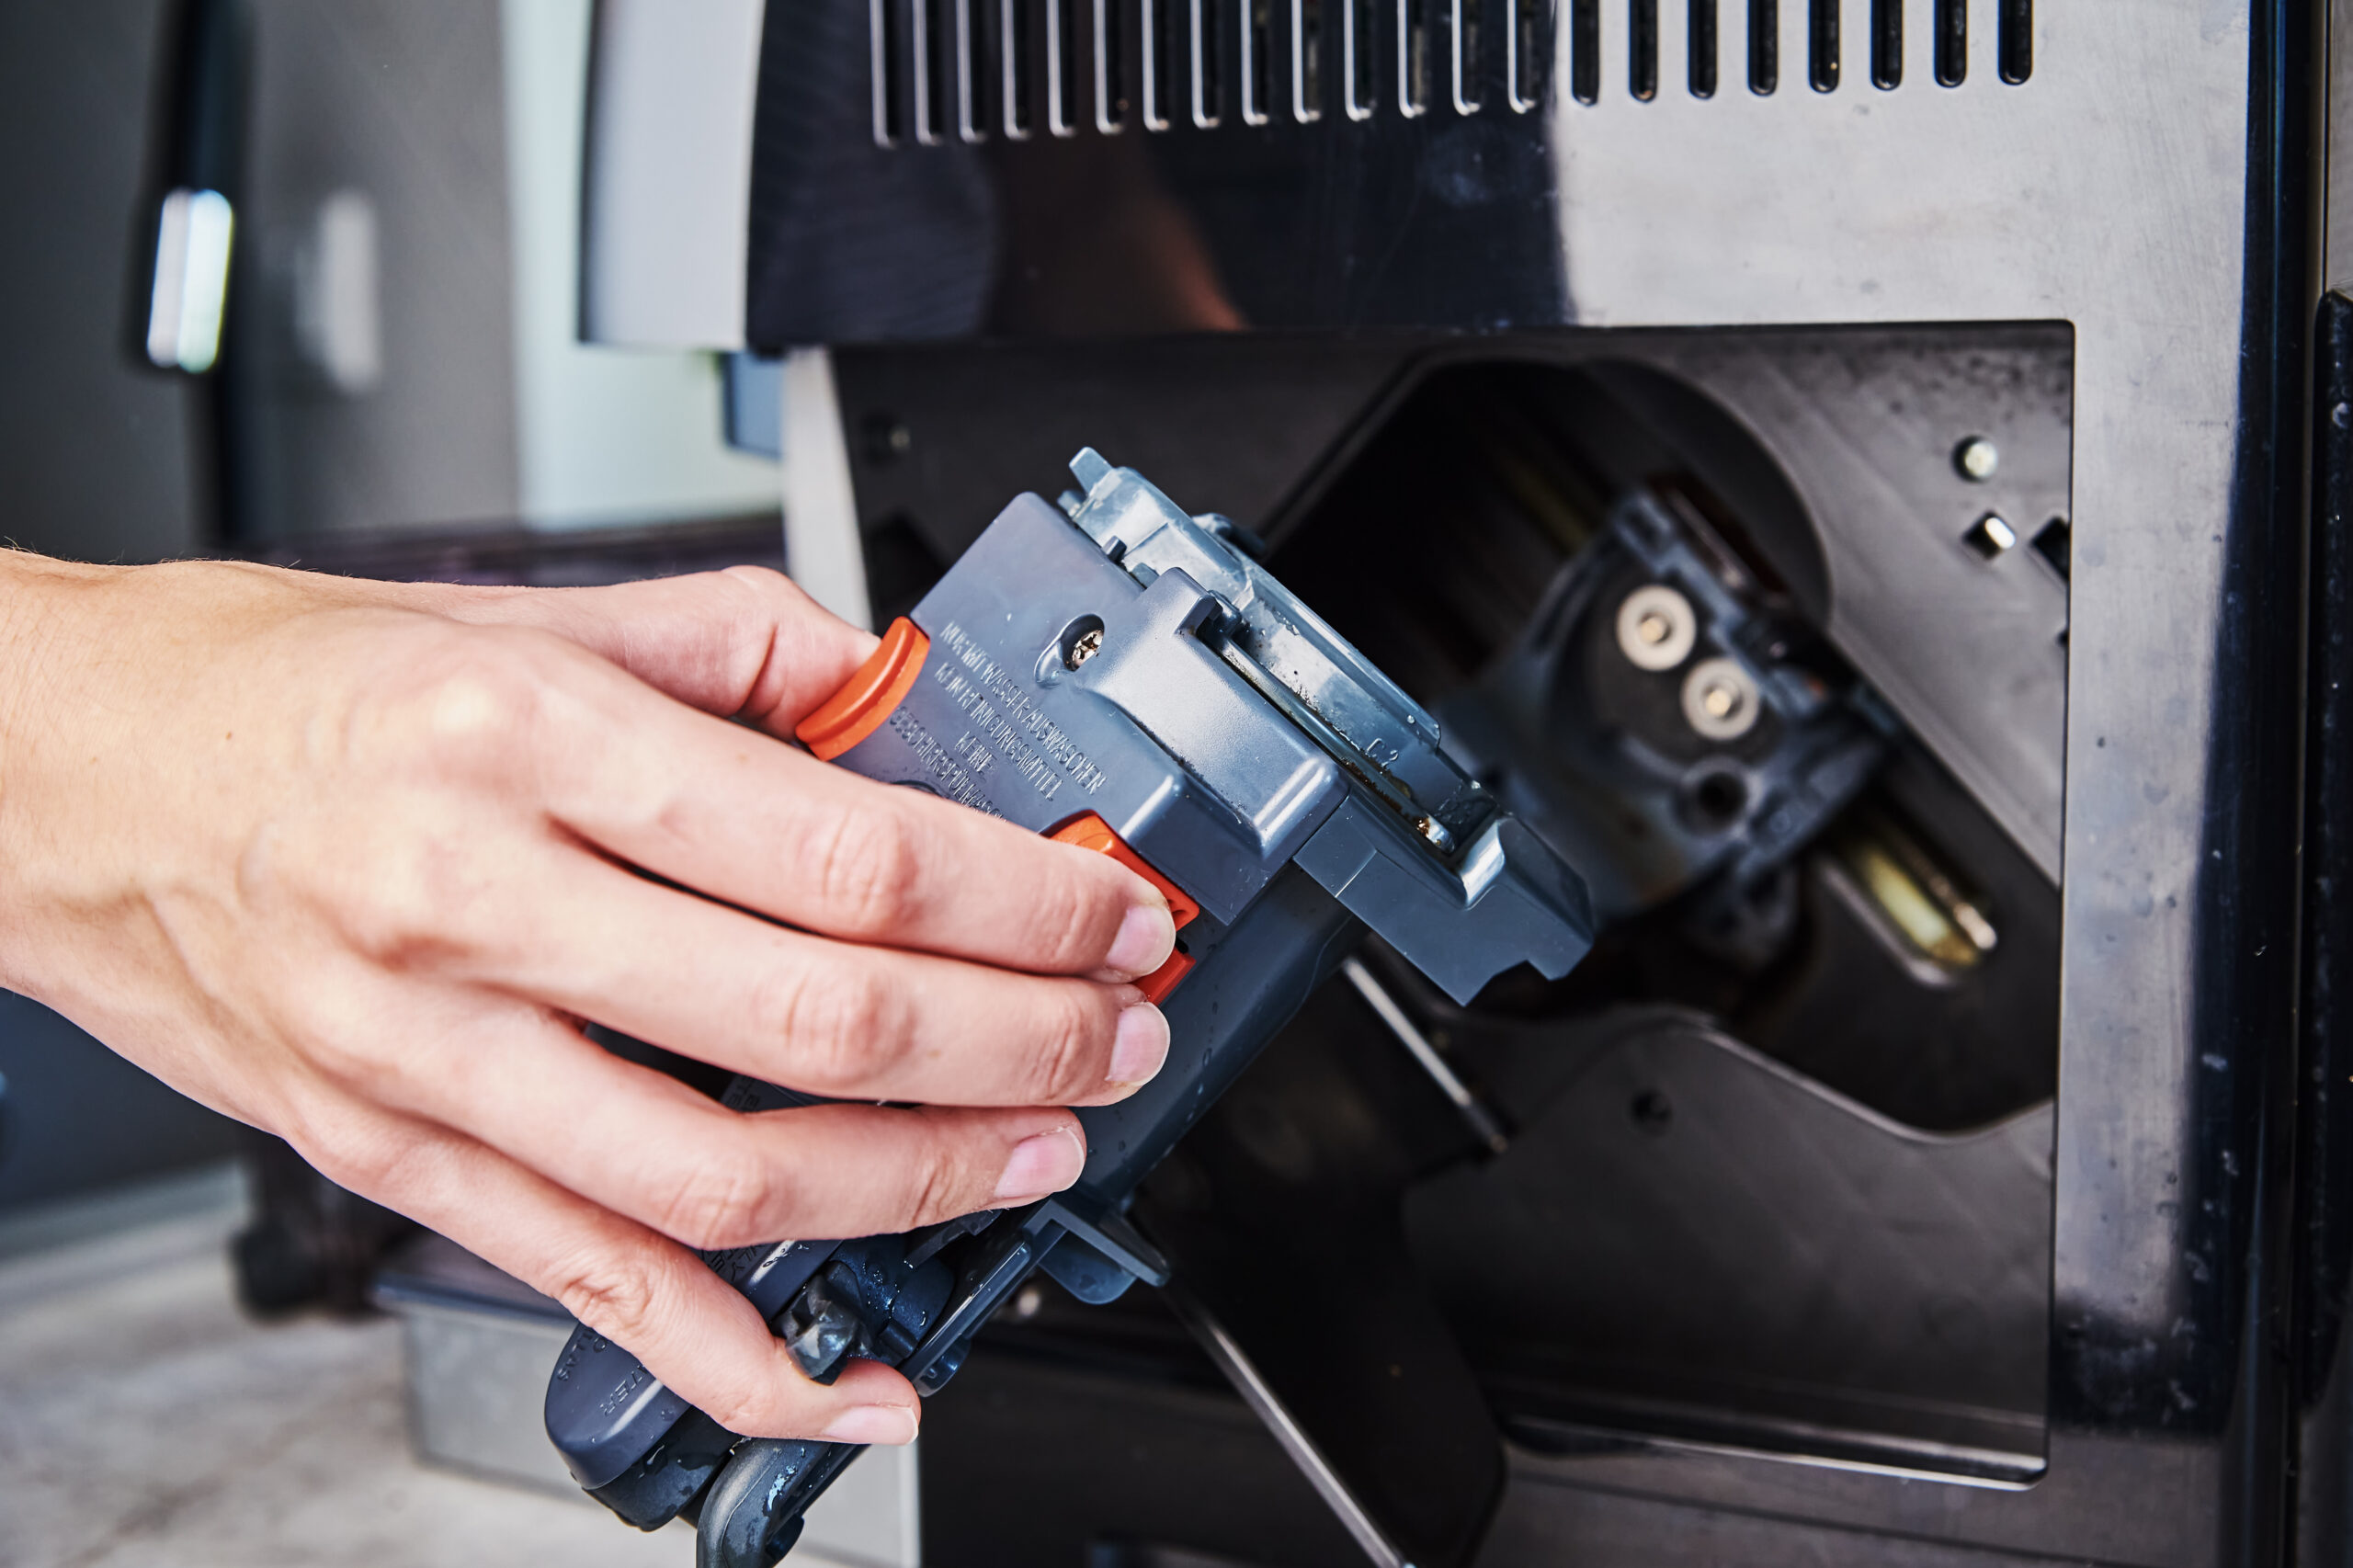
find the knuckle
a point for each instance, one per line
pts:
(410, 911)
(842, 1023)
(1070, 1043)
(742, 601)
(615, 1295)
(743, 1411)
(348, 1061)
(864, 865)
(1067, 915)
(353, 1153)
(331, 1020)
(455, 731)
(719, 1203)
(475, 700)
(425, 893)
(787, 1405)
(937, 1188)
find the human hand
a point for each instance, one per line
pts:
(354, 862)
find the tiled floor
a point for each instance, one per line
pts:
(146, 1423)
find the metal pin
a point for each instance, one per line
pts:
(1990, 536)
(1720, 699)
(1475, 1111)
(1656, 627)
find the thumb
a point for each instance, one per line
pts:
(744, 642)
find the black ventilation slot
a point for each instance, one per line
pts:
(1360, 55)
(2015, 43)
(1525, 39)
(889, 93)
(1015, 36)
(1469, 39)
(973, 81)
(1257, 60)
(969, 70)
(1165, 45)
(935, 62)
(1061, 66)
(1642, 49)
(1952, 42)
(1209, 62)
(1702, 46)
(1413, 56)
(1585, 50)
(1822, 46)
(1887, 44)
(1307, 60)
(1764, 45)
(1110, 66)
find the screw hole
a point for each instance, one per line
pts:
(1715, 800)
(887, 438)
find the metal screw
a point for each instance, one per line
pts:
(1083, 648)
(1976, 459)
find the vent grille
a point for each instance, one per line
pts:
(975, 70)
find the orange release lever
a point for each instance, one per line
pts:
(857, 710)
(1091, 832)
(868, 698)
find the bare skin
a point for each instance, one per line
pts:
(354, 862)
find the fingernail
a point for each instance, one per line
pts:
(1041, 1165)
(1147, 936)
(891, 1424)
(1140, 1046)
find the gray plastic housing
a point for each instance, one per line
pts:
(1170, 732)
(1253, 758)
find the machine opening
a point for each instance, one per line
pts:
(1819, 949)
(1771, 1169)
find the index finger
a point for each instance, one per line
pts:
(743, 642)
(749, 821)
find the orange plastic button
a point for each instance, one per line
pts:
(857, 710)
(1091, 832)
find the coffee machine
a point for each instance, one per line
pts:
(1938, 1159)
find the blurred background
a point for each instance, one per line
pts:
(301, 283)
(399, 388)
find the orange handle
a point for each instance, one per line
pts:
(1091, 832)
(857, 710)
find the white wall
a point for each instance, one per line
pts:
(604, 435)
